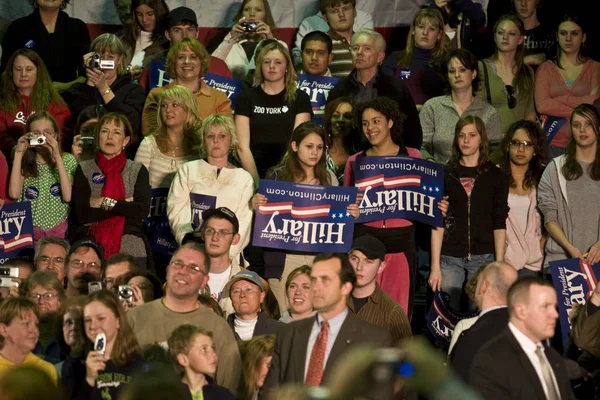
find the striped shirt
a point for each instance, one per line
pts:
(341, 65)
(382, 311)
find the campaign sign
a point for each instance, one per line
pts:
(399, 187)
(200, 203)
(442, 319)
(304, 217)
(158, 231)
(231, 87)
(574, 281)
(158, 74)
(317, 87)
(16, 230)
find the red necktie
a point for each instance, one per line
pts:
(317, 358)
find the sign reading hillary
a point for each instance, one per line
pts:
(158, 74)
(317, 87)
(574, 281)
(158, 231)
(16, 230)
(231, 87)
(442, 319)
(304, 217)
(399, 187)
(200, 203)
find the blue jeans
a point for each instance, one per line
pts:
(456, 271)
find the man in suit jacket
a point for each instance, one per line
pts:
(515, 364)
(333, 279)
(490, 294)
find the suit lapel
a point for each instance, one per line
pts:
(299, 346)
(343, 341)
(530, 374)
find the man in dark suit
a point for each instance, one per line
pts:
(516, 364)
(490, 294)
(306, 350)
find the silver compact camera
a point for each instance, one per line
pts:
(98, 63)
(37, 139)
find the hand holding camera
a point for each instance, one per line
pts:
(244, 28)
(130, 296)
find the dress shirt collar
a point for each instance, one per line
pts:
(528, 346)
(487, 310)
(335, 323)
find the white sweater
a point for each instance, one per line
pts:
(233, 189)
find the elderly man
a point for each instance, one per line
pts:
(84, 265)
(51, 254)
(367, 81)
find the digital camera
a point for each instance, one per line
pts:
(6, 275)
(37, 139)
(98, 63)
(125, 293)
(249, 26)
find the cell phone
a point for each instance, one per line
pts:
(100, 343)
(125, 293)
(94, 287)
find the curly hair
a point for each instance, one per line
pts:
(126, 346)
(42, 93)
(572, 169)
(390, 110)
(537, 162)
(484, 144)
(192, 45)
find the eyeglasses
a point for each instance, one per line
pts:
(510, 96)
(46, 260)
(46, 296)
(518, 143)
(210, 232)
(78, 264)
(194, 269)
(238, 292)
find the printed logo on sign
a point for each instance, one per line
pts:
(55, 189)
(98, 178)
(29, 44)
(32, 193)
(404, 74)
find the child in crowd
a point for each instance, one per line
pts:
(195, 357)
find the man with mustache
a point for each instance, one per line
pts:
(84, 265)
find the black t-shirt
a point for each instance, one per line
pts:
(62, 51)
(359, 303)
(271, 123)
(539, 40)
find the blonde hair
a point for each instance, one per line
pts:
(192, 45)
(290, 77)
(111, 43)
(181, 341)
(187, 100)
(221, 121)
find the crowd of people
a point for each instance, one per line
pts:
(507, 101)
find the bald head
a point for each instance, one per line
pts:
(493, 284)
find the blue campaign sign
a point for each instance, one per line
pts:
(304, 217)
(158, 74)
(399, 187)
(231, 87)
(574, 282)
(317, 87)
(16, 230)
(200, 203)
(442, 319)
(158, 231)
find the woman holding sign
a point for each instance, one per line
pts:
(111, 195)
(381, 124)
(569, 193)
(565, 82)
(42, 175)
(475, 227)
(212, 180)
(304, 162)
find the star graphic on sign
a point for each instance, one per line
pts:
(341, 215)
(430, 189)
(333, 216)
(347, 214)
(437, 189)
(424, 187)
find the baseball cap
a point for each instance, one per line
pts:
(179, 14)
(370, 246)
(246, 275)
(89, 243)
(224, 213)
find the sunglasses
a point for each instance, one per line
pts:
(518, 143)
(510, 96)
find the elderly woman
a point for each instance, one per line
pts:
(252, 24)
(247, 292)
(187, 62)
(26, 88)
(213, 176)
(111, 195)
(297, 290)
(176, 140)
(44, 288)
(106, 86)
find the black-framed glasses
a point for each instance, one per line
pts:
(46, 296)
(510, 96)
(518, 143)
